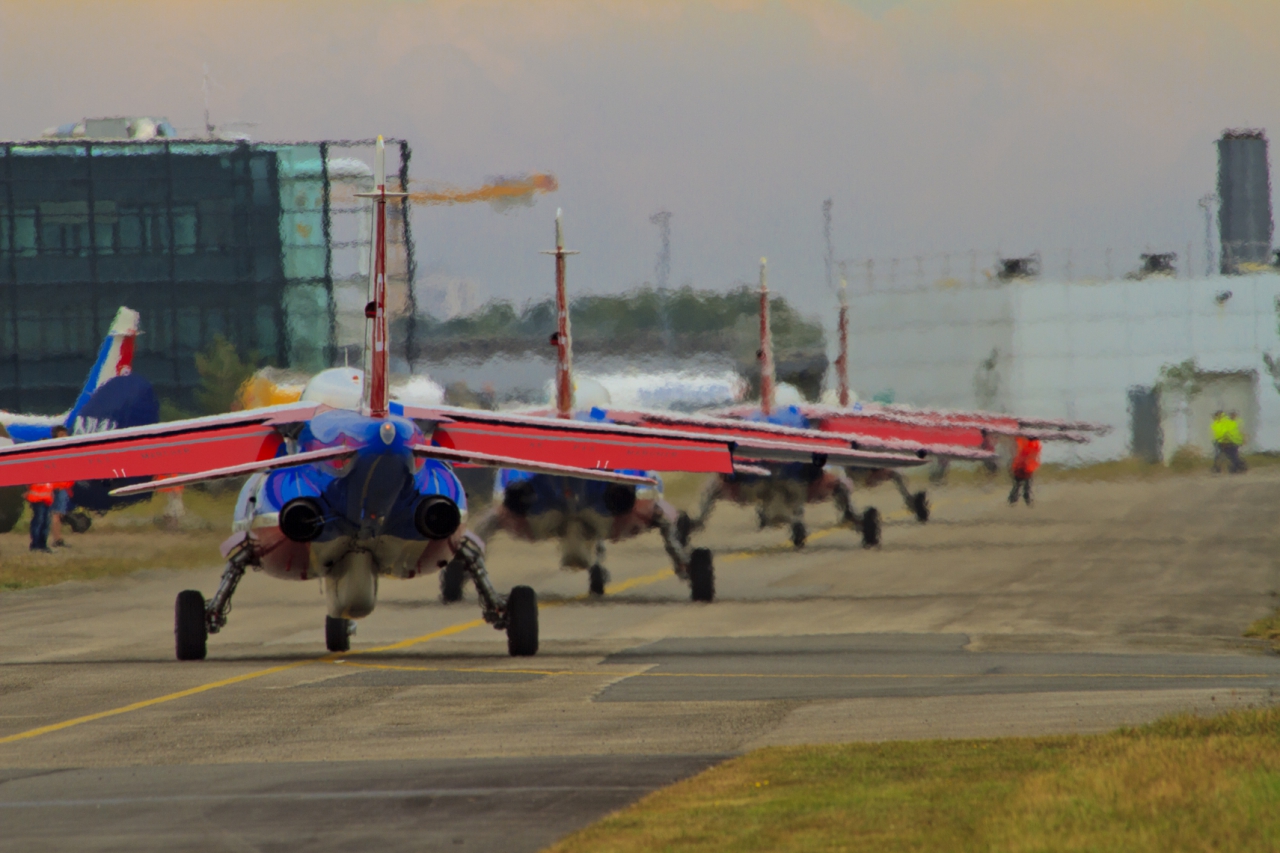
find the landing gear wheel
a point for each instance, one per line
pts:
(871, 528)
(190, 630)
(798, 534)
(702, 575)
(337, 634)
(598, 578)
(522, 622)
(920, 504)
(78, 520)
(452, 578)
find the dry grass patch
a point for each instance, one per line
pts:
(121, 542)
(1185, 783)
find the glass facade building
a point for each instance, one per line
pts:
(256, 242)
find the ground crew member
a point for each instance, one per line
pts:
(40, 496)
(61, 500)
(1232, 440)
(1025, 462)
(1218, 431)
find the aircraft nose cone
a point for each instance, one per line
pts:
(387, 432)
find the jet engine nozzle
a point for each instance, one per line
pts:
(619, 499)
(301, 519)
(437, 517)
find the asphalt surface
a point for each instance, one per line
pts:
(1105, 604)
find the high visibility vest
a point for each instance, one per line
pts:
(40, 493)
(1232, 434)
(1027, 459)
(1219, 430)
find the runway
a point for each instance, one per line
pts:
(1103, 605)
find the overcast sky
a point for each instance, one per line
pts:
(935, 125)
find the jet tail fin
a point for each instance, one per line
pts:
(115, 358)
(766, 346)
(562, 340)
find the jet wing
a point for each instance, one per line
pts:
(575, 444)
(930, 426)
(335, 454)
(487, 460)
(588, 444)
(178, 447)
(852, 449)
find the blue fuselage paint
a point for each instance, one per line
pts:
(367, 500)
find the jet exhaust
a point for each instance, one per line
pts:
(301, 519)
(437, 517)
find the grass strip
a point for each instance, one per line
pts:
(1182, 783)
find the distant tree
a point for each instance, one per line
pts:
(222, 372)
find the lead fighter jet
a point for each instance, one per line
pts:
(348, 496)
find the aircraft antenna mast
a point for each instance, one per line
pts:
(562, 339)
(375, 360)
(766, 345)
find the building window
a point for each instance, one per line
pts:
(143, 231)
(215, 225)
(64, 228)
(184, 230)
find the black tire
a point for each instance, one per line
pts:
(78, 520)
(597, 578)
(702, 575)
(522, 622)
(798, 534)
(920, 504)
(337, 634)
(190, 631)
(452, 579)
(871, 528)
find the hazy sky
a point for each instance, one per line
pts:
(935, 125)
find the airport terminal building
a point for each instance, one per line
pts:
(262, 243)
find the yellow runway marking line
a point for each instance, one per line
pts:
(848, 676)
(148, 703)
(227, 682)
(623, 586)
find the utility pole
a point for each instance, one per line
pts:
(1206, 204)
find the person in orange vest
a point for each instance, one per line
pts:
(1026, 459)
(40, 496)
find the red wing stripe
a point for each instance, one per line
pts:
(113, 458)
(236, 470)
(536, 444)
(490, 461)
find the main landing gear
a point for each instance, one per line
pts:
(517, 613)
(194, 619)
(694, 566)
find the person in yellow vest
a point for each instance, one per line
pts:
(1232, 441)
(40, 496)
(1218, 431)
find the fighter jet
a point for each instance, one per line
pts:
(583, 515)
(779, 489)
(349, 496)
(113, 396)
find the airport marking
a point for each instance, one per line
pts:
(622, 586)
(849, 676)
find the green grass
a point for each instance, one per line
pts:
(121, 542)
(1184, 783)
